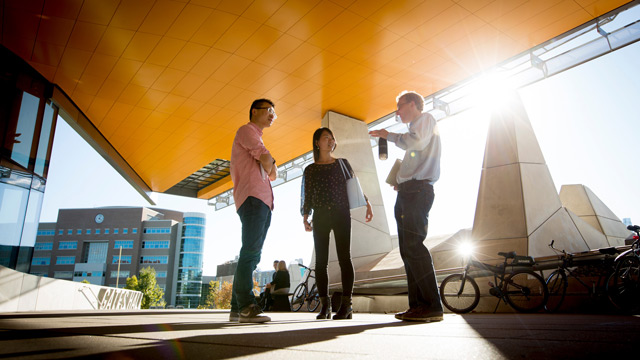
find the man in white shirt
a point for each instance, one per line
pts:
(420, 169)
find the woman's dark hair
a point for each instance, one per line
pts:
(316, 137)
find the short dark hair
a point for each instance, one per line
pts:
(316, 137)
(412, 96)
(259, 103)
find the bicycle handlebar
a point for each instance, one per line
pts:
(556, 249)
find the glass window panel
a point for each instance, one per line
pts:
(97, 252)
(192, 245)
(125, 259)
(32, 217)
(193, 231)
(21, 148)
(65, 260)
(154, 260)
(125, 244)
(42, 157)
(67, 245)
(63, 274)
(123, 273)
(190, 260)
(13, 207)
(40, 261)
(44, 246)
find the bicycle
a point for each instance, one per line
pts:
(522, 289)
(624, 291)
(302, 294)
(558, 280)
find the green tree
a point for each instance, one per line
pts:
(212, 294)
(152, 294)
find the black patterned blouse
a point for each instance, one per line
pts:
(324, 186)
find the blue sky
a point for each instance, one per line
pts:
(585, 119)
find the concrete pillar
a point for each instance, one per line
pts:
(518, 207)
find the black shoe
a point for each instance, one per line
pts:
(400, 315)
(423, 314)
(325, 311)
(345, 311)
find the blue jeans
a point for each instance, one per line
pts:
(255, 216)
(413, 204)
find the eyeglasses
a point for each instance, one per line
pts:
(400, 105)
(270, 110)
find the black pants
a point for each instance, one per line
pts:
(412, 216)
(338, 220)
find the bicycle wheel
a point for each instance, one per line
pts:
(525, 291)
(314, 299)
(557, 284)
(624, 290)
(459, 301)
(299, 294)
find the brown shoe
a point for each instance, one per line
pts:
(400, 315)
(421, 314)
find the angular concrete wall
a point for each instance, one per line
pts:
(369, 241)
(25, 292)
(586, 205)
(518, 207)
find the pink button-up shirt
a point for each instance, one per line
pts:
(247, 174)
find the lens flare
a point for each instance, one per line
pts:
(465, 249)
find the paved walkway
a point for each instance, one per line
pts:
(180, 334)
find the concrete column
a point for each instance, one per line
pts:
(518, 207)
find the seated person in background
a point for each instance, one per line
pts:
(281, 280)
(265, 295)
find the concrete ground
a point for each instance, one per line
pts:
(196, 334)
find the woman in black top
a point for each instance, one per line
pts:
(324, 192)
(281, 280)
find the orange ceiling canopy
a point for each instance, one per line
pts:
(165, 84)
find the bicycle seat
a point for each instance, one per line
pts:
(509, 255)
(523, 260)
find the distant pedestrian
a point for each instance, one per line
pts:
(324, 191)
(252, 170)
(419, 170)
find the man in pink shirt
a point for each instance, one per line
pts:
(252, 170)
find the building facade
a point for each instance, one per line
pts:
(27, 125)
(105, 246)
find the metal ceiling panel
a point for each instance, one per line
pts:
(167, 83)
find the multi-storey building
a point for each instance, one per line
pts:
(106, 245)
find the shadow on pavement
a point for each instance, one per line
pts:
(206, 346)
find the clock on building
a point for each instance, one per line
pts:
(99, 218)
